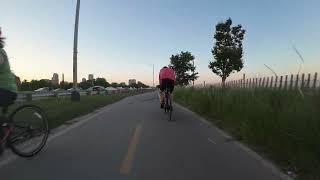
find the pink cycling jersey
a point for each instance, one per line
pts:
(167, 73)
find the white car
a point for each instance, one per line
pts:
(77, 89)
(96, 88)
(58, 90)
(42, 90)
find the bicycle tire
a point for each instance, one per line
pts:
(38, 112)
(170, 110)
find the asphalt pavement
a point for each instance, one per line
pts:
(133, 140)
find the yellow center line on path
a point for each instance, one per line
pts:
(129, 158)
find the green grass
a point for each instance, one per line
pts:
(282, 125)
(60, 110)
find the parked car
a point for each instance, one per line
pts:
(58, 90)
(42, 90)
(96, 88)
(77, 89)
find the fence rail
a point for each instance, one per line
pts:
(31, 96)
(285, 82)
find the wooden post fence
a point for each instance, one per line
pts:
(308, 81)
(280, 83)
(291, 82)
(297, 81)
(267, 84)
(302, 81)
(259, 82)
(271, 82)
(315, 81)
(276, 82)
(286, 82)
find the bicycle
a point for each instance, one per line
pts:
(168, 104)
(23, 128)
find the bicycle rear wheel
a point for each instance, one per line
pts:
(170, 109)
(30, 130)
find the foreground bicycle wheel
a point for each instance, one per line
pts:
(30, 130)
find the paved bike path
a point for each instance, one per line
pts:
(132, 140)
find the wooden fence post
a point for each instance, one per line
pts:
(267, 84)
(291, 82)
(286, 82)
(247, 82)
(249, 85)
(315, 81)
(276, 82)
(280, 83)
(271, 82)
(302, 81)
(263, 82)
(297, 82)
(259, 82)
(308, 80)
(244, 81)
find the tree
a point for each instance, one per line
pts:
(123, 84)
(183, 65)
(228, 50)
(85, 85)
(114, 84)
(101, 82)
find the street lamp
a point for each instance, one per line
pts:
(75, 95)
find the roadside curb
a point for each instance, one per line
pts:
(266, 163)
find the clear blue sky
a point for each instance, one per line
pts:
(119, 39)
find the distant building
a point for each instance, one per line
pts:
(90, 77)
(132, 81)
(55, 79)
(84, 80)
(62, 77)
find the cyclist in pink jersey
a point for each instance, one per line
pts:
(167, 78)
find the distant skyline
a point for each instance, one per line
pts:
(121, 40)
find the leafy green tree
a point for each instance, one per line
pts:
(101, 82)
(25, 86)
(114, 84)
(123, 85)
(85, 85)
(183, 65)
(141, 85)
(228, 50)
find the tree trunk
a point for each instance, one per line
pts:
(223, 81)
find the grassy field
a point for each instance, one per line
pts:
(60, 110)
(282, 125)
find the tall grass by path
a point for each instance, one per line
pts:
(282, 125)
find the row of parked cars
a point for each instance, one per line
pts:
(91, 89)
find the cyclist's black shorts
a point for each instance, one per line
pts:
(7, 98)
(167, 83)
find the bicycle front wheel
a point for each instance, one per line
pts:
(30, 130)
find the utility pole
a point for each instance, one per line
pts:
(75, 96)
(153, 75)
(193, 72)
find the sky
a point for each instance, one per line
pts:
(120, 40)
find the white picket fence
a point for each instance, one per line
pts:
(286, 82)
